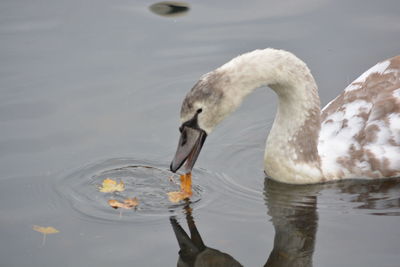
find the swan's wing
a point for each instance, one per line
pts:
(360, 129)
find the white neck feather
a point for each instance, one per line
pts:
(291, 153)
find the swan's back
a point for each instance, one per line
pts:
(360, 129)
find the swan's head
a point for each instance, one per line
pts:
(202, 109)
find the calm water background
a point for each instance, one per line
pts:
(89, 88)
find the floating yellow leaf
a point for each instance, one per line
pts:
(45, 231)
(109, 186)
(128, 203)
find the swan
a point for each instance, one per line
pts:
(357, 134)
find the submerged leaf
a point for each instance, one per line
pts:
(109, 186)
(186, 189)
(186, 183)
(175, 197)
(128, 203)
(45, 230)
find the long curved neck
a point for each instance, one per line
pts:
(291, 153)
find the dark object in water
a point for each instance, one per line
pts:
(193, 252)
(170, 8)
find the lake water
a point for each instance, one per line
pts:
(92, 90)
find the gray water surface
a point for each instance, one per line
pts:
(92, 89)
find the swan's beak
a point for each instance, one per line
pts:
(188, 150)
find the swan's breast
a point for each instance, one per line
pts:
(360, 129)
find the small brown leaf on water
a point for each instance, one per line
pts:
(131, 202)
(110, 186)
(45, 230)
(128, 203)
(115, 203)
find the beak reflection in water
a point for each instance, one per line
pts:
(192, 251)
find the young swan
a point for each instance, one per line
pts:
(357, 135)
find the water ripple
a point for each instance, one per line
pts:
(149, 182)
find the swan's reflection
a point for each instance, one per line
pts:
(378, 197)
(293, 211)
(192, 251)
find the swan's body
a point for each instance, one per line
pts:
(357, 135)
